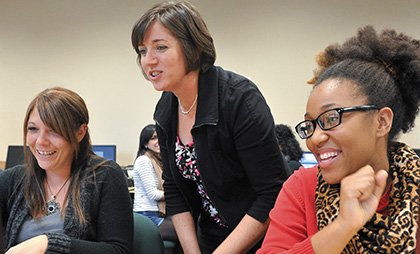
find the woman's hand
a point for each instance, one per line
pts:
(359, 196)
(246, 234)
(360, 193)
(35, 245)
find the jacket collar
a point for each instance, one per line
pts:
(208, 98)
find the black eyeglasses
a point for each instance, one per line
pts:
(327, 120)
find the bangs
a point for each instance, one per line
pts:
(138, 33)
(57, 116)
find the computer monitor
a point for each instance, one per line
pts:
(15, 156)
(107, 151)
(308, 160)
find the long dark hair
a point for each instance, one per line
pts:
(145, 136)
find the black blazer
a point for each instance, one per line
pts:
(237, 152)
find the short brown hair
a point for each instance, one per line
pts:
(187, 25)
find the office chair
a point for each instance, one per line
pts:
(147, 239)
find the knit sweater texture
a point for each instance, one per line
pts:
(105, 202)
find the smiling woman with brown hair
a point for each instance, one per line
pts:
(62, 200)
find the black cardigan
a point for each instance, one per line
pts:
(237, 152)
(105, 202)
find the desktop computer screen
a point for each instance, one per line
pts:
(107, 151)
(308, 160)
(15, 156)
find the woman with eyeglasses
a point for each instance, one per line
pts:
(363, 197)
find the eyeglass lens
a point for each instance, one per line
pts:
(329, 119)
(326, 121)
(305, 129)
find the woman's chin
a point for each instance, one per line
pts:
(330, 178)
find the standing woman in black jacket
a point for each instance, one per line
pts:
(222, 167)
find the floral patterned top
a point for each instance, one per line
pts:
(186, 161)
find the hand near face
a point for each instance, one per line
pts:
(359, 196)
(37, 244)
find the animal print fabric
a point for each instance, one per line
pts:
(391, 233)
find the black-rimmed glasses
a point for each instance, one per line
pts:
(327, 120)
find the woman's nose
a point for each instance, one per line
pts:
(318, 137)
(42, 138)
(149, 58)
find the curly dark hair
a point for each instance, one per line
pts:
(289, 146)
(385, 67)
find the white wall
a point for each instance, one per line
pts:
(85, 46)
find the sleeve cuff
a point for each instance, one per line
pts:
(58, 243)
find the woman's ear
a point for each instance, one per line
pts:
(385, 117)
(81, 132)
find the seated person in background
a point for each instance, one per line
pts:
(64, 199)
(363, 197)
(289, 146)
(149, 198)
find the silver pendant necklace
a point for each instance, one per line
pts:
(189, 110)
(52, 205)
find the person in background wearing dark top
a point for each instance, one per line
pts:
(222, 167)
(64, 199)
(363, 197)
(289, 146)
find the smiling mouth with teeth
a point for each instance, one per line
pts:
(45, 153)
(329, 155)
(154, 74)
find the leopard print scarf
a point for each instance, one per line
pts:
(394, 233)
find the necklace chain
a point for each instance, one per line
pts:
(189, 110)
(54, 196)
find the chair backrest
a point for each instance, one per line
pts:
(147, 239)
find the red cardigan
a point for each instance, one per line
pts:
(293, 218)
